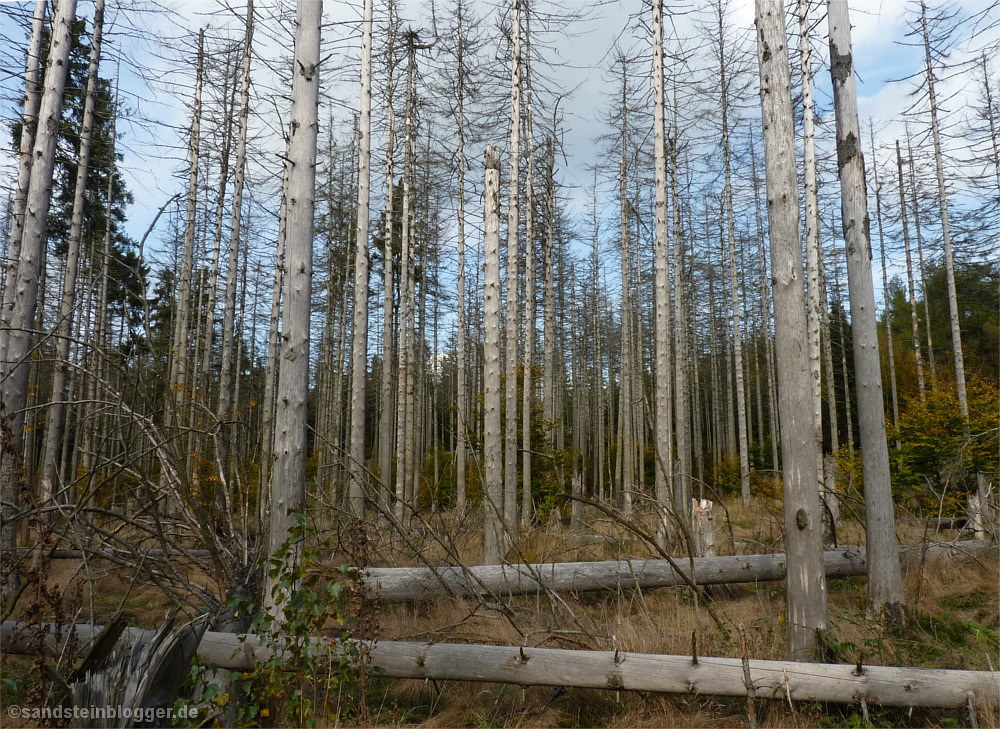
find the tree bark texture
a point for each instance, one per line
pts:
(885, 585)
(805, 584)
(288, 478)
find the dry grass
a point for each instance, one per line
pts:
(946, 596)
(954, 623)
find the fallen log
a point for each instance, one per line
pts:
(616, 670)
(403, 584)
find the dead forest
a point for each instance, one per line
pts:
(526, 363)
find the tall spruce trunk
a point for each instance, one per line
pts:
(405, 375)
(910, 289)
(805, 582)
(663, 436)
(549, 300)
(949, 258)
(921, 269)
(55, 419)
(742, 419)
(229, 337)
(288, 478)
(885, 584)
(17, 367)
(682, 488)
(359, 331)
(387, 408)
(510, 395)
(887, 316)
(178, 375)
(530, 306)
(493, 532)
(813, 251)
(273, 351)
(461, 357)
(29, 117)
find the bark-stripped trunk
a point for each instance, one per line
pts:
(949, 258)
(737, 329)
(461, 364)
(359, 332)
(885, 289)
(24, 294)
(510, 395)
(56, 415)
(626, 434)
(178, 376)
(232, 267)
(29, 123)
(915, 199)
(765, 313)
(387, 414)
(663, 436)
(806, 584)
(813, 251)
(405, 374)
(549, 300)
(682, 414)
(288, 478)
(528, 387)
(885, 584)
(493, 538)
(911, 292)
(273, 351)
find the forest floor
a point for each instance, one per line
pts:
(953, 621)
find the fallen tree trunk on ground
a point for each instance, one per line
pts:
(401, 584)
(617, 670)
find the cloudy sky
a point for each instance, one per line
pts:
(153, 139)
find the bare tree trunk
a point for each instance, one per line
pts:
(273, 351)
(229, 309)
(920, 261)
(742, 420)
(949, 258)
(885, 295)
(178, 376)
(24, 293)
(56, 415)
(493, 537)
(387, 415)
(549, 300)
(806, 583)
(29, 116)
(600, 450)
(289, 475)
(813, 251)
(765, 314)
(663, 439)
(510, 396)
(826, 343)
(528, 387)
(914, 318)
(682, 414)
(208, 307)
(359, 332)
(461, 363)
(405, 375)
(885, 584)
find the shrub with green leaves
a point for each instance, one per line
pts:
(314, 674)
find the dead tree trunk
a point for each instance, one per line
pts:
(359, 331)
(492, 444)
(885, 584)
(806, 586)
(16, 367)
(289, 475)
